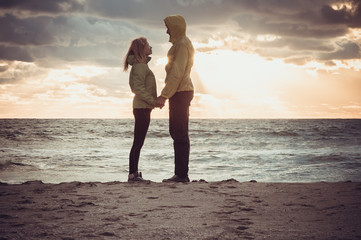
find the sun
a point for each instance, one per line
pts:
(242, 81)
(226, 71)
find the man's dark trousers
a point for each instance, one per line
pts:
(179, 105)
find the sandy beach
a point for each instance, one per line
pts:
(197, 210)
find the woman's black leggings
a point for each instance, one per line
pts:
(142, 121)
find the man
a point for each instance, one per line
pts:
(179, 90)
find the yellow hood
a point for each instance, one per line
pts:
(176, 26)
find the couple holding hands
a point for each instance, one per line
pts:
(178, 90)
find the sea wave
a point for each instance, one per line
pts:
(56, 150)
(284, 133)
(6, 165)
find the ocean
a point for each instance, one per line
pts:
(96, 150)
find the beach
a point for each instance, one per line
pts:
(198, 210)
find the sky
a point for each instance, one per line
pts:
(254, 58)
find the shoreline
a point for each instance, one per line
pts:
(198, 210)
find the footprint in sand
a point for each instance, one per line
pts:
(242, 228)
(152, 197)
(27, 201)
(5, 216)
(112, 219)
(141, 215)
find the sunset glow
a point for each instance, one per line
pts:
(295, 60)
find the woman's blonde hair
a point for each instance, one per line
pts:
(136, 48)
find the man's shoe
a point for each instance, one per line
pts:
(175, 178)
(136, 177)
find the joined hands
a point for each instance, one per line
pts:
(160, 102)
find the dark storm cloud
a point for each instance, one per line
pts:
(265, 25)
(350, 17)
(29, 31)
(75, 30)
(49, 40)
(305, 18)
(15, 54)
(309, 29)
(42, 6)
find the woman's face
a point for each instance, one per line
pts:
(147, 49)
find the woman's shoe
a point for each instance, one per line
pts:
(136, 177)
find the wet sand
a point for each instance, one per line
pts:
(197, 210)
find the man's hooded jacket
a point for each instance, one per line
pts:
(180, 58)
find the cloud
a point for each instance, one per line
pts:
(296, 45)
(304, 18)
(29, 31)
(301, 50)
(345, 50)
(152, 12)
(61, 32)
(348, 13)
(3, 68)
(265, 25)
(297, 60)
(71, 29)
(18, 72)
(42, 6)
(15, 54)
(72, 50)
(55, 40)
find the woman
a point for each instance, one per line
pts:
(143, 85)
